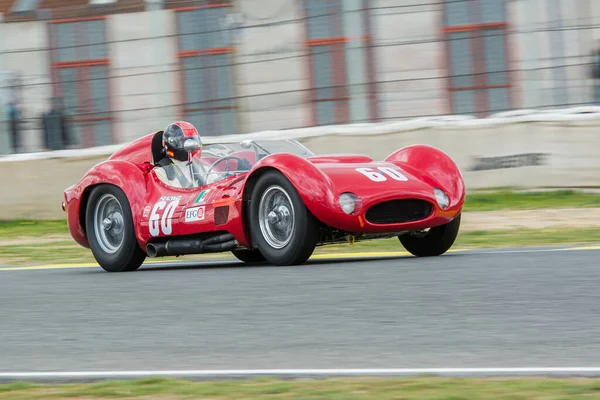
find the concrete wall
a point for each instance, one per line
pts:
(144, 78)
(409, 58)
(272, 77)
(27, 55)
(551, 47)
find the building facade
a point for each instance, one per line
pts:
(119, 69)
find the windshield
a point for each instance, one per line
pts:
(261, 147)
(221, 160)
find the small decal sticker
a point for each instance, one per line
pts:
(147, 211)
(170, 198)
(194, 214)
(201, 196)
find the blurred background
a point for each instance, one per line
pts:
(86, 73)
(509, 89)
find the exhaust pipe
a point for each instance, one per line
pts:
(180, 247)
(152, 250)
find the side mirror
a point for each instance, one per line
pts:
(246, 144)
(191, 145)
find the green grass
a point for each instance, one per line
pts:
(487, 239)
(428, 388)
(50, 253)
(483, 201)
(509, 200)
(21, 228)
(23, 245)
(68, 252)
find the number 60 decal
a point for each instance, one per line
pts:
(165, 222)
(378, 175)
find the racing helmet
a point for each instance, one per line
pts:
(174, 137)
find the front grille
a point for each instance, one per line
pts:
(398, 211)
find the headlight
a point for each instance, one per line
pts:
(441, 198)
(348, 202)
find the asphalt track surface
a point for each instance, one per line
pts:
(501, 308)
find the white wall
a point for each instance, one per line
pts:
(272, 59)
(539, 59)
(33, 67)
(408, 47)
(144, 63)
(524, 52)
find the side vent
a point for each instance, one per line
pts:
(221, 215)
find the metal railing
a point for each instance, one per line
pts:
(411, 90)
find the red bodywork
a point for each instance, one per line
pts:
(319, 181)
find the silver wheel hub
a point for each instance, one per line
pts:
(109, 225)
(281, 214)
(276, 217)
(272, 217)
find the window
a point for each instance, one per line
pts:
(207, 71)
(80, 70)
(475, 33)
(23, 6)
(340, 58)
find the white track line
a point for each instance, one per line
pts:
(301, 373)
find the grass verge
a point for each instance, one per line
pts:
(485, 201)
(71, 253)
(347, 389)
(509, 200)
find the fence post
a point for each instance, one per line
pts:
(231, 27)
(5, 139)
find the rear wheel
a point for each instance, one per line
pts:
(110, 230)
(282, 228)
(434, 242)
(249, 256)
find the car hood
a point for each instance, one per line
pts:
(380, 180)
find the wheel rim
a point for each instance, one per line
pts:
(109, 224)
(276, 217)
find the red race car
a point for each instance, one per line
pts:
(266, 200)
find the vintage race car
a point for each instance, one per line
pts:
(266, 200)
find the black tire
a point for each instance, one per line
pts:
(249, 256)
(304, 234)
(128, 255)
(436, 242)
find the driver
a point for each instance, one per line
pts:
(174, 165)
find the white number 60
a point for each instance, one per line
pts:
(376, 176)
(165, 222)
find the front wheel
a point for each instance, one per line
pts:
(249, 256)
(282, 228)
(435, 242)
(110, 230)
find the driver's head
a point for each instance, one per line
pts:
(174, 137)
